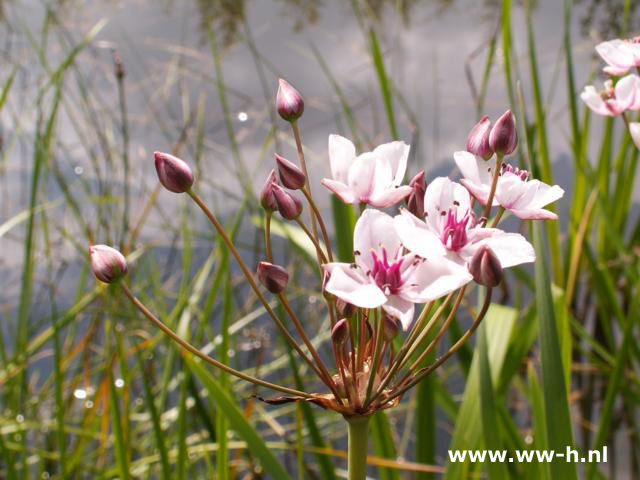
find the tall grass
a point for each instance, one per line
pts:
(87, 391)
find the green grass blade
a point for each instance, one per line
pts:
(344, 222)
(385, 85)
(383, 443)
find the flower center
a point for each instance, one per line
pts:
(454, 233)
(523, 174)
(386, 274)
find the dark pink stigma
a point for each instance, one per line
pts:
(386, 275)
(523, 174)
(634, 40)
(454, 234)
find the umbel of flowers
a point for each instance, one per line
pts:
(417, 262)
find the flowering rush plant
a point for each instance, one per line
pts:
(418, 261)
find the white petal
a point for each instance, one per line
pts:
(374, 229)
(391, 196)
(435, 278)
(343, 191)
(401, 309)
(362, 176)
(353, 286)
(510, 248)
(594, 101)
(417, 237)
(634, 130)
(614, 53)
(441, 195)
(625, 90)
(342, 154)
(477, 174)
(395, 155)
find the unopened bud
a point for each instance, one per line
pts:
(345, 309)
(415, 200)
(273, 277)
(503, 138)
(291, 175)
(340, 331)
(174, 174)
(485, 267)
(289, 101)
(267, 199)
(107, 263)
(288, 205)
(478, 139)
(390, 327)
(634, 131)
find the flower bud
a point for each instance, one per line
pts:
(289, 102)
(288, 205)
(390, 327)
(174, 174)
(340, 331)
(503, 138)
(291, 175)
(478, 139)
(634, 130)
(485, 267)
(273, 277)
(107, 263)
(267, 199)
(415, 200)
(345, 309)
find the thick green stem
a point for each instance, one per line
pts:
(358, 447)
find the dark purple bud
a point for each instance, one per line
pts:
(273, 277)
(345, 309)
(267, 199)
(107, 263)
(289, 101)
(415, 200)
(340, 331)
(485, 267)
(478, 139)
(503, 138)
(291, 175)
(174, 174)
(288, 205)
(390, 327)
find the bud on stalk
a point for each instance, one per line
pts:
(288, 205)
(390, 327)
(503, 138)
(273, 277)
(485, 267)
(340, 332)
(415, 200)
(174, 174)
(289, 102)
(478, 139)
(345, 309)
(291, 175)
(107, 263)
(267, 198)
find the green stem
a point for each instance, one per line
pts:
(358, 447)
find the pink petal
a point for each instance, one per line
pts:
(538, 214)
(401, 309)
(342, 154)
(343, 191)
(362, 174)
(353, 286)
(435, 278)
(374, 229)
(395, 155)
(389, 197)
(417, 237)
(510, 248)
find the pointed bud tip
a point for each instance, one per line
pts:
(289, 102)
(478, 139)
(267, 198)
(485, 267)
(503, 138)
(340, 331)
(273, 277)
(288, 205)
(291, 175)
(174, 173)
(107, 263)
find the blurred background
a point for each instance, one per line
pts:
(89, 89)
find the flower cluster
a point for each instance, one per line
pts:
(623, 94)
(424, 254)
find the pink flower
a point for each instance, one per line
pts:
(614, 100)
(620, 55)
(524, 198)
(371, 177)
(383, 275)
(107, 263)
(449, 229)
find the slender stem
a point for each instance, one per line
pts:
(321, 256)
(358, 447)
(373, 368)
(267, 236)
(496, 220)
(325, 374)
(492, 192)
(250, 279)
(419, 375)
(323, 227)
(625, 119)
(190, 348)
(307, 184)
